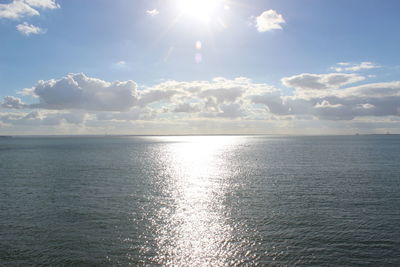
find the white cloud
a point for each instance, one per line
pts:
(348, 67)
(120, 63)
(326, 104)
(153, 12)
(28, 29)
(18, 9)
(44, 4)
(269, 20)
(77, 91)
(217, 98)
(367, 106)
(212, 99)
(90, 102)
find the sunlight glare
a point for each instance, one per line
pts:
(202, 10)
(196, 229)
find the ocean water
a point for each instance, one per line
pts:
(200, 201)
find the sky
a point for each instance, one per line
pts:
(199, 67)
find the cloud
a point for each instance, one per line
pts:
(77, 91)
(222, 95)
(120, 66)
(219, 98)
(233, 111)
(269, 20)
(79, 101)
(120, 63)
(153, 12)
(41, 118)
(44, 4)
(273, 101)
(308, 81)
(377, 99)
(186, 108)
(28, 29)
(348, 67)
(154, 95)
(18, 9)
(12, 102)
(326, 104)
(131, 115)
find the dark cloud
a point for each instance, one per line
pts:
(307, 81)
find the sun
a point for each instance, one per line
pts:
(201, 10)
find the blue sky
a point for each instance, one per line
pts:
(280, 47)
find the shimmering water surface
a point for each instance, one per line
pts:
(200, 201)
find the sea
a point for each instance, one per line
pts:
(200, 201)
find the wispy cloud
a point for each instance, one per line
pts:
(28, 29)
(269, 20)
(120, 65)
(349, 67)
(153, 12)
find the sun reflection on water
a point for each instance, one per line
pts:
(195, 230)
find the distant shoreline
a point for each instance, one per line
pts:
(167, 135)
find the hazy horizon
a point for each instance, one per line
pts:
(183, 134)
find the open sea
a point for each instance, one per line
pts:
(200, 201)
